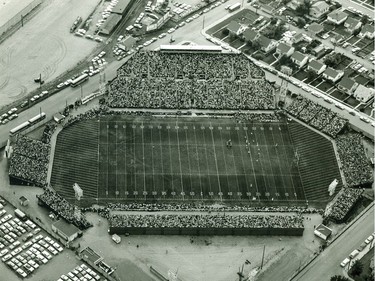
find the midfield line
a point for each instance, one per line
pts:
(170, 157)
(217, 169)
(179, 158)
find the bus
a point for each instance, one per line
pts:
(234, 7)
(19, 128)
(27, 124)
(37, 118)
(19, 214)
(79, 80)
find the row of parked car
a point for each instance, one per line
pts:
(80, 273)
(22, 248)
(355, 253)
(10, 115)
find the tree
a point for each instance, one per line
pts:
(256, 45)
(225, 32)
(311, 75)
(273, 21)
(339, 278)
(301, 22)
(357, 268)
(364, 19)
(304, 8)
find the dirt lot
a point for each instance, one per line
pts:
(44, 45)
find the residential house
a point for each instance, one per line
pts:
(266, 44)
(236, 28)
(299, 59)
(363, 94)
(315, 28)
(337, 17)
(284, 50)
(347, 85)
(298, 38)
(316, 66)
(352, 24)
(332, 75)
(250, 35)
(319, 9)
(295, 3)
(367, 31)
(319, 51)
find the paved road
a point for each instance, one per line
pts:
(328, 262)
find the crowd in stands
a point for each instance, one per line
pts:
(355, 165)
(206, 221)
(29, 161)
(63, 208)
(317, 116)
(196, 207)
(184, 81)
(343, 202)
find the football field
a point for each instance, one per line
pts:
(188, 158)
(127, 158)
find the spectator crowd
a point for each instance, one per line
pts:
(63, 208)
(355, 165)
(206, 221)
(343, 202)
(317, 116)
(184, 81)
(29, 161)
(196, 207)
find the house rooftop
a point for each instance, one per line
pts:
(316, 65)
(368, 28)
(250, 35)
(233, 26)
(337, 15)
(283, 48)
(351, 22)
(264, 41)
(330, 72)
(324, 230)
(298, 56)
(346, 83)
(321, 5)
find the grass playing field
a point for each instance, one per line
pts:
(121, 157)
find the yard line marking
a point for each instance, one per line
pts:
(261, 165)
(207, 165)
(126, 180)
(271, 179)
(143, 160)
(279, 161)
(199, 169)
(217, 169)
(187, 149)
(235, 167)
(107, 192)
(179, 160)
(134, 164)
(161, 159)
(170, 157)
(225, 162)
(252, 166)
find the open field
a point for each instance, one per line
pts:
(43, 46)
(125, 158)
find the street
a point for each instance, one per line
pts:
(328, 262)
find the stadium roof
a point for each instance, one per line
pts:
(110, 23)
(120, 7)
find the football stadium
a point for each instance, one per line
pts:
(256, 155)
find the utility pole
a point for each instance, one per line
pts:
(264, 249)
(21, 20)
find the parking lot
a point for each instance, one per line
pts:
(81, 272)
(24, 247)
